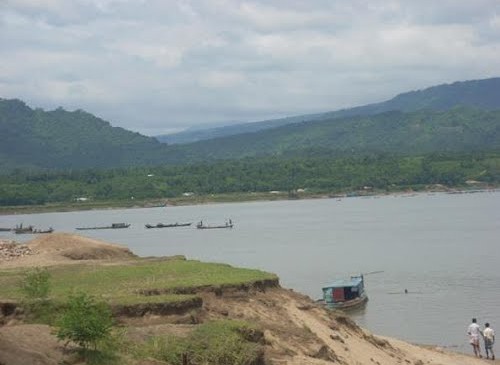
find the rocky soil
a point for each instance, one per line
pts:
(10, 250)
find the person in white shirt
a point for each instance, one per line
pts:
(489, 340)
(474, 331)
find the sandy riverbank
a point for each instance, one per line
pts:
(295, 329)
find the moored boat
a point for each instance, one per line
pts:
(228, 224)
(343, 294)
(38, 231)
(112, 226)
(171, 225)
(20, 229)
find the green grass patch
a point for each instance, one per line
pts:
(121, 284)
(225, 342)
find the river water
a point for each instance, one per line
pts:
(443, 248)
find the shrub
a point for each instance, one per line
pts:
(218, 343)
(36, 284)
(85, 321)
(35, 287)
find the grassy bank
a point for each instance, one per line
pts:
(126, 284)
(166, 288)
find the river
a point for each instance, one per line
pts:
(442, 248)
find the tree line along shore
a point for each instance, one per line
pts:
(244, 180)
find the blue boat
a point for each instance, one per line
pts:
(345, 293)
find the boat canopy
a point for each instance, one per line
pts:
(344, 290)
(345, 283)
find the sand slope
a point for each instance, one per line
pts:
(298, 331)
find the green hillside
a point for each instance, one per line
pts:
(59, 139)
(62, 139)
(480, 94)
(457, 130)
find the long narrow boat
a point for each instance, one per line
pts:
(38, 231)
(343, 294)
(112, 226)
(5, 229)
(20, 229)
(229, 224)
(31, 230)
(171, 225)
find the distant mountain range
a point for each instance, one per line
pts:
(481, 94)
(464, 116)
(460, 129)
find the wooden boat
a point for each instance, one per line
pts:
(112, 226)
(38, 231)
(20, 229)
(343, 294)
(200, 225)
(5, 229)
(161, 225)
(30, 230)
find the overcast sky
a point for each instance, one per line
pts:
(161, 66)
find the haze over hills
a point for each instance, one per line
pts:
(428, 121)
(483, 94)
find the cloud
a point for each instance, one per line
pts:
(155, 66)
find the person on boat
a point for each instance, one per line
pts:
(489, 340)
(474, 331)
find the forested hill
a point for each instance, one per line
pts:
(63, 139)
(481, 94)
(457, 130)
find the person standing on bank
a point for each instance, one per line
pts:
(489, 340)
(474, 331)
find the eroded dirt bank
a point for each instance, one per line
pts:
(295, 330)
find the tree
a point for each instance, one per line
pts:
(85, 321)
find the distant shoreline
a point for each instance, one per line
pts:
(226, 198)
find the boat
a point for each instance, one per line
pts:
(30, 229)
(38, 231)
(161, 225)
(20, 229)
(5, 229)
(228, 224)
(343, 294)
(112, 226)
